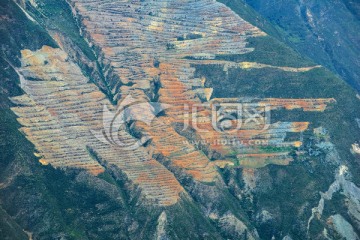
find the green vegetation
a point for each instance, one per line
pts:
(9, 229)
(290, 192)
(300, 25)
(56, 16)
(189, 36)
(107, 177)
(268, 50)
(12, 40)
(274, 149)
(246, 12)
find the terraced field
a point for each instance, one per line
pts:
(59, 112)
(169, 120)
(148, 51)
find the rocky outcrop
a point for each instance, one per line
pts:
(231, 224)
(160, 228)
(342, 227)
(356, 148)
(351, 192)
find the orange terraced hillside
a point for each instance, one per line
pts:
(145, 49)
(179, 119)
(60, 113)
(145, 45)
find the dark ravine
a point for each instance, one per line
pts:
(271, 202)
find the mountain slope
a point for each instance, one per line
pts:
(178, 184)
(315, 30)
